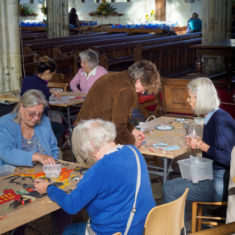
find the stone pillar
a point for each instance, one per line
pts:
(10, 58)
(216, 26)
(58, 19)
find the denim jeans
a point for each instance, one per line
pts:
(75, 229)
(206, 190)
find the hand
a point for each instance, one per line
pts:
(41, 185)
(56, 93)
(139, 137)
(193, 142)
(43, 159)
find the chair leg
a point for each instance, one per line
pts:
(194, 217)
(199, 224)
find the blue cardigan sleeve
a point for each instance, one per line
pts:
(86, 190)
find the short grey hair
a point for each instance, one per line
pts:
(90, 56)
(30, 98)
(207, 99)
(148, 74)
(90, 135)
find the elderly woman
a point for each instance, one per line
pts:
(89, 72)
(216, 144)
(26, 136)
(107, 190)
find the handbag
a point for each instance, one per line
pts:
(89, 230)
(149, 124)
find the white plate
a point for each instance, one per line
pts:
(164, 127)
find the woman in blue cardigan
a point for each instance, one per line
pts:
(107, 189)
(26, 135)
(216, 144)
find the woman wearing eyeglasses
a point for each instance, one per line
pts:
(26, 135)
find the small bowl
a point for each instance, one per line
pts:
(52, 171)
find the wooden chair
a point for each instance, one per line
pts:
(62, 85)
(198, 219)
(225, 229)
(166, 219)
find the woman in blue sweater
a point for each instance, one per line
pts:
(216, 144)
(107, 190)
(26, 136)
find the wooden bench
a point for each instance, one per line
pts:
(170, 58)
(116, 53)
(45, 48)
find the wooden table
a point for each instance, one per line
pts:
(157, 143)
(22, 179)
(224, 48)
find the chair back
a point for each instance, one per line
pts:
(166, 219)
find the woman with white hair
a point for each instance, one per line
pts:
(107, 190)
(216, 144)
(89, 72)
(26, 135)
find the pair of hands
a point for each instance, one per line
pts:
(39, 184)
(139, 137)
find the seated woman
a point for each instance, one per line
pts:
(194, 24)
(89, 72)
(26, 135)
(45, 70)
(107, 189)
(216, 144)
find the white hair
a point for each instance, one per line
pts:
(90, 135)
(90, 56)
(207, 98)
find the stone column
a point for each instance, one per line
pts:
(58, 19)
(10, 58)
(216, 26)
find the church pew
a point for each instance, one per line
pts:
(33, 36)
(75, 47)
(45, 48)
(170, 58)
(116, 53)
(45, 40)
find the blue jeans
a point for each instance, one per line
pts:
(206, 190)
(75, 229)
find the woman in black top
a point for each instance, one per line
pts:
(73, 17)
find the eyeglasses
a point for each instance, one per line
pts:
(33, 114)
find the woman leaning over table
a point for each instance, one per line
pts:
(107, 189)
(89, 72)
(26, 135)
(216, 144)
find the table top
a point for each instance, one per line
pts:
(166, 143)
(22, 180)
(10, 96)
(225, 44)
(68, 98)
